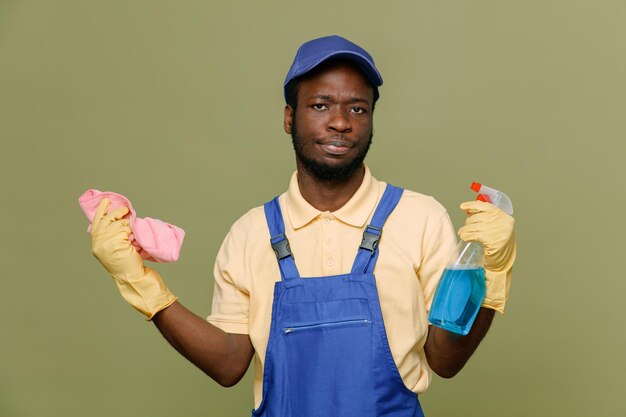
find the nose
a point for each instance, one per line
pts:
(339, 121)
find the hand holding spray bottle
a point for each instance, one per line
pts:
(462, 286)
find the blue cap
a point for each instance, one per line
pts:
(313, 53)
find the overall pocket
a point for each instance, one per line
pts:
(329, 366)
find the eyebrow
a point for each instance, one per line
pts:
(352, 100)
(359, 100)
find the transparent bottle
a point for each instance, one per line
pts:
(461, 288)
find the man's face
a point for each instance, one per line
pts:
(332, 126)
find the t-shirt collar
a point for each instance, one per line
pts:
(355, 212)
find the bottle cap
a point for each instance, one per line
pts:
(476, 186)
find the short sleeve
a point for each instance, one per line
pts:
(231, 302)
(438, 246)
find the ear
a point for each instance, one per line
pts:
(288, 119)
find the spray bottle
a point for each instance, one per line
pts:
(462, 286)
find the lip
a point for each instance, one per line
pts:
(336, 148)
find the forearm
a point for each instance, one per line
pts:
(448, 352)
(222, 356)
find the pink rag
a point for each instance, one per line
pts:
(154, 239)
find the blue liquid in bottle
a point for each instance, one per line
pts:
(457, 299)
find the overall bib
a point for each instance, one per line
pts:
(327, 353)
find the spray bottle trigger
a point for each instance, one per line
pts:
(484, 197)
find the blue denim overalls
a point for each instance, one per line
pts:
(327, 353)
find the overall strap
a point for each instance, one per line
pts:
(368, 251)
(279, 241)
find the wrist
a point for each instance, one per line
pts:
(147, 294)
(497, 286)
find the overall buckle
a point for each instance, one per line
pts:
(281, 247)
(370, 238)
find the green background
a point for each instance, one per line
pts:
(178, 105)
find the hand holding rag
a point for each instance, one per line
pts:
(495, 229)
(140, 286)
(154, 239)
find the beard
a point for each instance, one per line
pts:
(327, 173)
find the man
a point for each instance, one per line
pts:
(341, 342)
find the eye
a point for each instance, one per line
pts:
(357, 110)
(319, 106)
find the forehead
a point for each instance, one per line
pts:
(336, 78)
